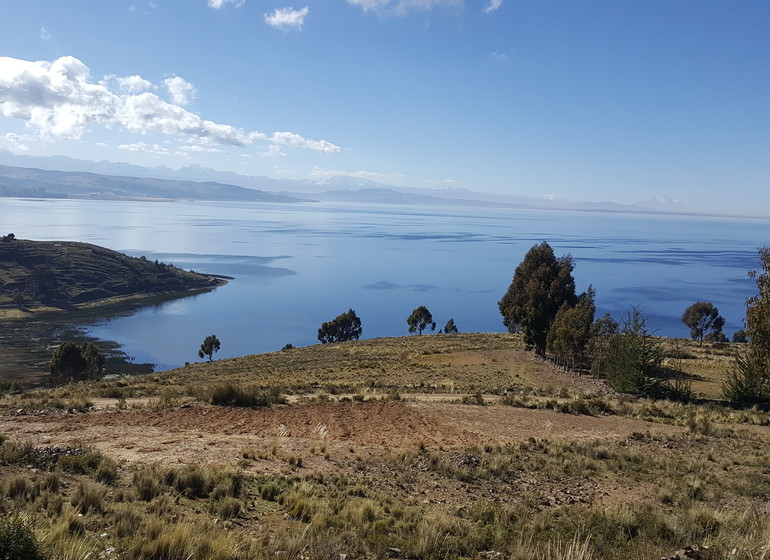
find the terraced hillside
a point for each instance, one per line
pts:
(48, 275)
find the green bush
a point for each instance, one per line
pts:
(17, 541)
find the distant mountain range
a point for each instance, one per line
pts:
(62, 177)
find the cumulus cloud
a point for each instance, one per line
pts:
(403, 7)
(126, 84)
(493, 6)
(58, 101)
(219, 4)
(291, 139)
(181, 91)
(287, 18)
(273, 152)
(14, 143)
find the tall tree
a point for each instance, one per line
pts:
(541, 285)
(344, 327)
(420, 319)
(210, 345)
(703, 319)
(450, 327)
(749, 378)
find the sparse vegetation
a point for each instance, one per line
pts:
(356, 467)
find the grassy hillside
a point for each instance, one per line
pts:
(437, 447)
(49, 275)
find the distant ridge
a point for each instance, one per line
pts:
(42, 183)
(64, 177)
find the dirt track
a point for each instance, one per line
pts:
(220, 435)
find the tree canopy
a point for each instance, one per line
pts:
(571, 331)
(450, 327)
(703, 319)
(541, 285)
(420, 319)
(210, 345)
(342, 328)
(73, 362)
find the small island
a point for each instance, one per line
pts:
(50, 276)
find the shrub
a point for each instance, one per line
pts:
(88, 497)
(147, 483)
(107, 472)
(229, 508)
(17, 541)
(231, 395)
(20, 488)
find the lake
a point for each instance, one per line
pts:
(297, 265)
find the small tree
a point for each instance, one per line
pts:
(210, 346)
(72, 362)
(740, 336)
(420, 319)
(703, 319)
(541, 285)
(450, 327)
(633, 359)
(598, 346)
(342, 328)
(570, 333)
(749, 378)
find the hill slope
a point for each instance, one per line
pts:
(66, 275)
(41, 183)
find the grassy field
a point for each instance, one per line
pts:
(440, 446)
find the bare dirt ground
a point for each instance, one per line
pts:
(220, 435)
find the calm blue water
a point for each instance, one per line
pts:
(297, 265)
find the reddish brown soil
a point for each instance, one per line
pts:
(221, 435)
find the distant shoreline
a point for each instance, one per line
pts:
(14, 314)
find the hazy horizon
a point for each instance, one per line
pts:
(570, 101)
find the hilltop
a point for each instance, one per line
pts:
(64, 275)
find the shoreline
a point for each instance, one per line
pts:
(16, 314)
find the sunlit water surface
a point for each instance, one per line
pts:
(297, 265)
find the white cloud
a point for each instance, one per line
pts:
(499, 57)
(126, 84)
(493, 6)
(273, 152)
(45, 35)
(285, 18)
(134, 84)
(144, 147)
(199, 149)
(57, 101)
(14, 143)
(182, 92)
(291, 139)
(370, 175)
(218, 4)
(403, 7)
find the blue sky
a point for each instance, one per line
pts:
(618, 100)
